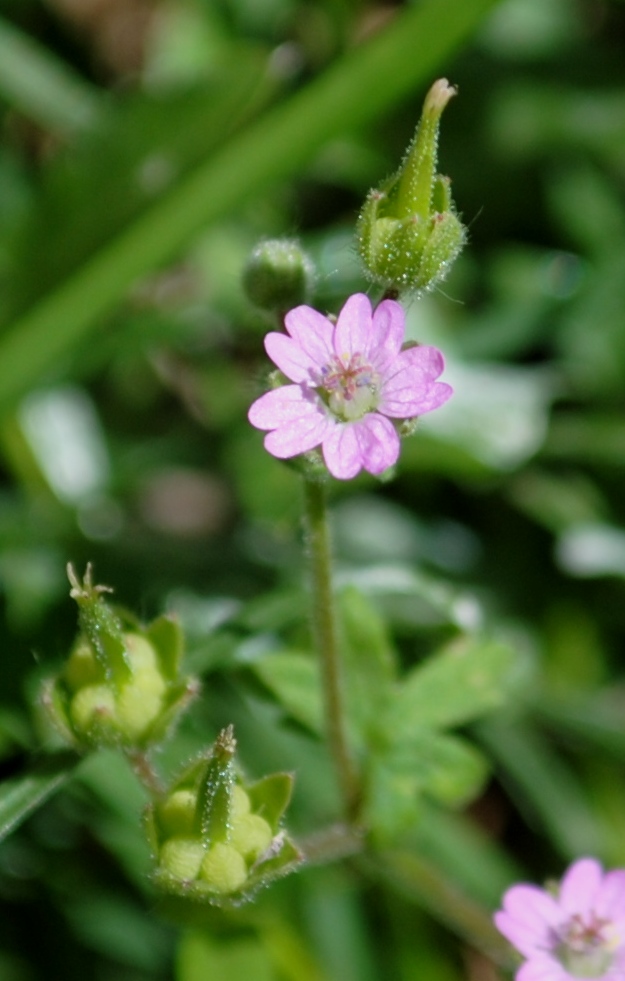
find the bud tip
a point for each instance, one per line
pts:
(439, 95)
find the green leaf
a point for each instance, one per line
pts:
(369, 658)
(392, 803)
(289, 951)
(546, 787)
(201, 957)
(447, 768)
(467, 853)
(463, 681)
(19, 798)
(42, 86)
(116, 173)
(294, 679)
(368, 667)
(418, 879)
(596, 720)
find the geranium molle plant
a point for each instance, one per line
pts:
(351, 380)
(576, 932)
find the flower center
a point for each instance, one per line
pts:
(349, 389)
(585, 947)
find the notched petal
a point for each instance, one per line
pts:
(312, 332)
(389, 324)
(282, 405)
(379, 443)
(353, 331)
(341, 452)
(290, 358)
(298, 436)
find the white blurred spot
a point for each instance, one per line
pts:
(65, 436)
(592, 550)
(497, 414)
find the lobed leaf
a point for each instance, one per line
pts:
(469, 677)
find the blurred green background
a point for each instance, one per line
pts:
(146, 146)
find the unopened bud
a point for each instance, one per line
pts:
(408, 231)
(278, 275)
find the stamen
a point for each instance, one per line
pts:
(350, 386)
(585, 945)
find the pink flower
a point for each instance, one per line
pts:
(578, 933)
(350, 380)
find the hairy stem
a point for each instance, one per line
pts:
(326, 642)
(145, 772)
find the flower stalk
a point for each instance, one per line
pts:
(326, 643)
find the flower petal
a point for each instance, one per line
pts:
(352, 334)
(528, 918)
(543, 968)
(580, 886)
(406, 396)
(290, 358)
(370, 443)
(389, 325)
(617, 968)
(312, 332)
(341, 451)
(610, 901)
(298, 436)
(429, 360)
(410, 388)
(282, 405)
(379, 443)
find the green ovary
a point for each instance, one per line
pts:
(137, 707)
(223, 868)
(141, 654)
(182, 857)
(82, 667)
(176, 814)
(239, 802)
(251, 835)
(92, 704)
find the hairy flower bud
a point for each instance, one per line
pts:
(217, 839)
(119, 687)
(278, 275)
(408, 232)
